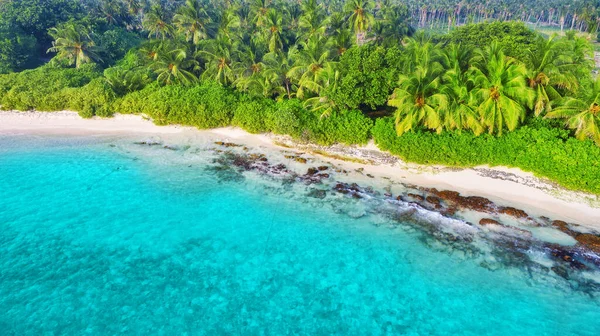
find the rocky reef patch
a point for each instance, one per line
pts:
(470, 226)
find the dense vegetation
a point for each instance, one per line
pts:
(491, 92)
(538, 147)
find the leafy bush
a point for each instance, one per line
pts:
(369, 75)
(40, 88)
(123, 81)
(284, 118)
(250, 114)
(17, 50)
(514, 38)
(217, 105)
(547, 152)
(116, 42)
(347, 127)
(209, 105)
(95, 98)
(133, 102)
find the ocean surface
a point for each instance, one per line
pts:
(102, 237)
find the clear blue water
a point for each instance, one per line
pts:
(100, 240)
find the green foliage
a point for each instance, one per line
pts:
(115, 43)
(17, 50)
(285, 117)
(41, 88)
(514, 38)
(346, 127)
(368, 78)
(123, 81)
(37, 16)
(208, 105)
(73, 43)
(93, 99)
(547, 152)
(132, 103)
(251, 114)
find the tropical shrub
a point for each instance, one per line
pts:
(251, 114)
(115, 43)
(547, 152)
(284, 118)
(40, 88)
(93, 99)
(17, 49)
(515, 39)
(133, 102)
(219, 103)
(347, 127)
(368, 76)
(208, 105)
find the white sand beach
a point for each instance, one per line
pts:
(506, 186)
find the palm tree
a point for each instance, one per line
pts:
(342, 41)
(311, 23)
(360, 17)
(313, 57)
(155, 22)
(133, 6)
(249, 64)
(462, 111)
(175, 67)
(581, 113)
(192, 20)
(501, 90)
(259, 10)
(218, 56)
(123, 81)
(277, 68)
(393, 26)
(418, 98)
(547, 68)
(336, 22)
(229, 23)
(114, 12)
(73, 43)
(153, 49)
(324, 83)
(273, 23)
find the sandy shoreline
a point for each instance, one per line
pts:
(507, 186)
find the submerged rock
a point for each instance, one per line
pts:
(563, 226)
(433, 200)
(312, 171)
(354, 190)
(589, 240)
(488, 221)
(227, 144)
(148, 143)
(561, 272)
(476, 203)
(517, 213)
(317, 193)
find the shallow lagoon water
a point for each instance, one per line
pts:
(100, 239)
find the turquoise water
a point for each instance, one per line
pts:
(99, 238)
